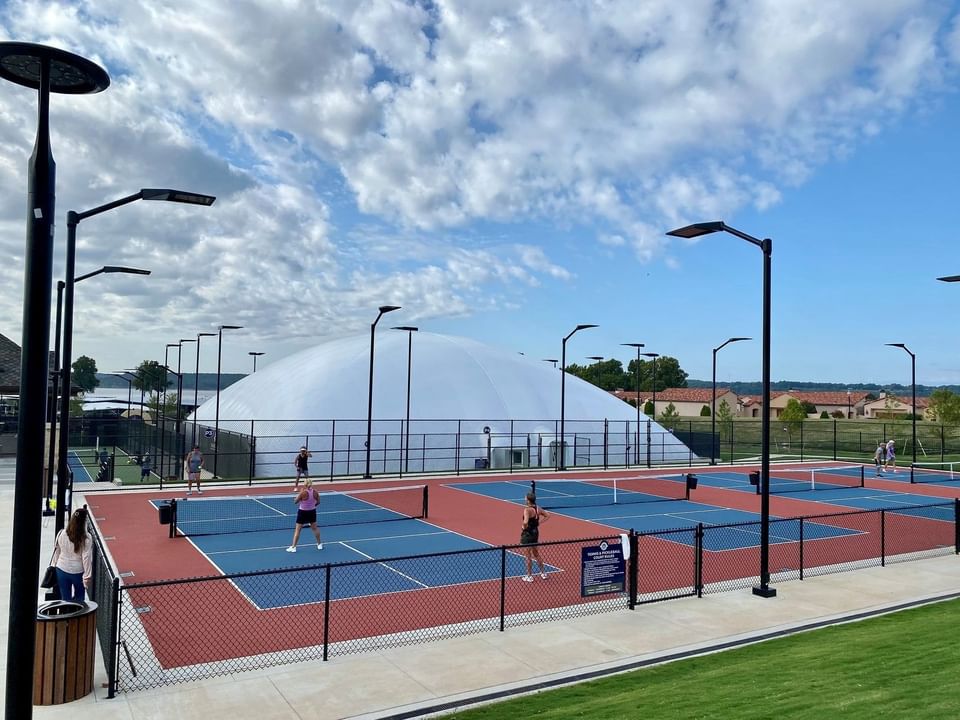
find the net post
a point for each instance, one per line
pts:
(173, 518)
(426, 502)
(863, 480)
(912, 479)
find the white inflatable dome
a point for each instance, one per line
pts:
(458, 388)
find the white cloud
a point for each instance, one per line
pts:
(353, 143)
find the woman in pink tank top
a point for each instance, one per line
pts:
(307, 501)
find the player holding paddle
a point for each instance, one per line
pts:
(307, 501)
(533, 515)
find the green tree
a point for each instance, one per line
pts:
(605, 374)
(648, 408)
(808, 407)
(824, 415)
(84, 373)
(669, 374)
(793, 414)
(705, 411)
(169, 406)
(149, 375)
(945, 406)
(76, 406)
(669, 416)
(724, 413)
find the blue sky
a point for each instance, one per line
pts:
(507, 170)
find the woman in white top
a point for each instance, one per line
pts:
(73, 558)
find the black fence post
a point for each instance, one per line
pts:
(834, 438)
(883, 538)
(956, 526)
(606, 443)
(633, 571)
(112, 661)
(698, 562)
(503, 586)
(456, 459)
(333, 446)
(327, 577)
(801, 548)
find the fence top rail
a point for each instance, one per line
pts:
(351, 563)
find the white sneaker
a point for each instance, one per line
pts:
(189, 492)
(543, 576)
(292, 548)
(319, 546)
(199, 491)
(527, 578)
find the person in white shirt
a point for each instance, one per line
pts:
(73, 558)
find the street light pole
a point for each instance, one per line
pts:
(562, 464)
(766, 246)
(73, 219)
(179, 451)
(849, 414)
(373, 329)
(196, 387)
(255, 356)
(913, 384)
(713, 402)
(406, 441)
(636, 454)
(45, 70)
(63, 468)
(216, 422)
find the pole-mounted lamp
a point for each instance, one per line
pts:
(562, 462)
(383, 309)
(637, 443)
(766, 247)
(713, 401)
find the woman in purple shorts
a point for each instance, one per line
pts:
(306, 500)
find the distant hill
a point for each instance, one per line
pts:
(208, 381)
(755, 388)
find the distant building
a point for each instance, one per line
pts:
(688, 402)
(836, 403)
(891, 407)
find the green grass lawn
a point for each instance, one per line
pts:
(902, 665)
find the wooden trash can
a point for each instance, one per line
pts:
(64, 652)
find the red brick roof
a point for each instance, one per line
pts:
(826, 398)
(696, 395)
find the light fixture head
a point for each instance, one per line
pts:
(697, 229)
(178, 196)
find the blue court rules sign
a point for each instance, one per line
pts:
(602, 569)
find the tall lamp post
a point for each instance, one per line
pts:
(216, 422)
(46, 70)
(637, 449)
(406, 440)
(849, 414)
(163, 406)
(196, 387)
(255, 355)
(373, 329)
(713, 401)
(766, 247)
(65, 369)
(562, 463)
(597, 359)
(913, 384)
(73, 219)
(179, 374)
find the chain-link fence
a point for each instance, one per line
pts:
(159, 633)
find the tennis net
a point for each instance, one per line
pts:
(787, 480)
(609, 491)
(935, 472)
(245, 513)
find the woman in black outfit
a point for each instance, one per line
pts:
(530, 535)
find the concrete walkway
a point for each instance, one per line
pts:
(418, 680)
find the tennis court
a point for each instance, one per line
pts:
(647, 504)
(945, 473)
(247, 534)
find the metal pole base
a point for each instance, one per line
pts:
(764, 591)
(48, 513)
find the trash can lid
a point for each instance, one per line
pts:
(62, 609)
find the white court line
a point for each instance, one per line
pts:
(383, 564)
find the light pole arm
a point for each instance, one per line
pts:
(76, 217)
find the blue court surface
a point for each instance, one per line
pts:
(80, 473)
(649, 514)
(796, 484)
(385, 537)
